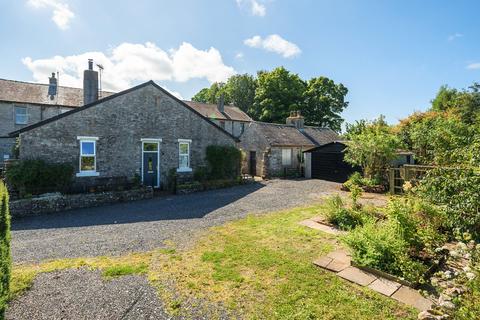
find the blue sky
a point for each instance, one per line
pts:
(392, 55)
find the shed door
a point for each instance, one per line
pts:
(330, 166)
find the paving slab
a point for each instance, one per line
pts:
(340, 255)
(384, 286)
(337, 265)
(412, 298)
(357, 276)
(321, 227)
(322, 261)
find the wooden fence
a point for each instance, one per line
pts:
(408, 172)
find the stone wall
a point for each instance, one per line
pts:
(35, 113)
(254, 140)
(235, 128)
(57, 202)
(277, 169)
(119, 124)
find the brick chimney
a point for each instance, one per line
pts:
(90, 84)
(221, 103)
(296, 119)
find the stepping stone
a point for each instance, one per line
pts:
(384, 286)
(322, 261)
(357, 276)
(412, 298)
(337, 265)
(340, 255)
(321, 227)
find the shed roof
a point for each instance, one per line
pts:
(37, 93)
(211, 111)
(289, 135)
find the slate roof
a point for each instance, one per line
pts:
(113, 96)
(211, 111)
(289, 135)
(36, 93)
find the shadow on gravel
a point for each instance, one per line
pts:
(172, 207)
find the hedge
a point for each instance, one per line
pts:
(224, 162)
(5, 258)
(29, 177)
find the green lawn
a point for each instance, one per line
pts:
(259, 267)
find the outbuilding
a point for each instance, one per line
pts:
(327, 162)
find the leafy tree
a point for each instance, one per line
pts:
(324, 101)
(212, 94)
(372, 148)
(465, 103)
(240, 90)
(274, 94)
(278, 92)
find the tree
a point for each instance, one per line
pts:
(278, 92)
(372, 148)
(465, 103)
(240, 90)
(323, 102)
(212, 94)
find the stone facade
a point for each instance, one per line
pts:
(120, 122)
(236, 128)
(35, 113)
(58, 202)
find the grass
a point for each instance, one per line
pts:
(256, 268)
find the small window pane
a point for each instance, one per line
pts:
(183, 163)
(21, 116)
(147, 146)
(87, 163)
(286, 157)
(183, 148)
(88, 148)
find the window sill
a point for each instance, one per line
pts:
(88, 174)
(184, 170)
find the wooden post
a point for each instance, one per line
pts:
(391, 178)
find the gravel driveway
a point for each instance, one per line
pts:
(145, 225)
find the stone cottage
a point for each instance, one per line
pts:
(273, 150)
(143, 132)
(229, 117)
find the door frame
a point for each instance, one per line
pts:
(157, 141)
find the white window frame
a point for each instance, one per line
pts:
(15, 108)
(87, 173)
(286, 151)
(157, 141)
(189, 167)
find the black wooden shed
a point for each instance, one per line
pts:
(326, 162)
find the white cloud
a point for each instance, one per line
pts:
(454, 36)
(256, 8)
(131, 63)
(61, 14)
(239, 55)
(474, 66)
(274, 43)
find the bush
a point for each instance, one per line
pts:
(458, 192)
(5, 259)
(224, 162)
(337, 213)
(379, 246)
(37, 176)
(200, 174)
(356, 179)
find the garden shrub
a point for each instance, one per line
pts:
(5, 258)
(224, 162)
(37, 176)
(200, 174)
(378, 245)
(337, 213)
(457, 190)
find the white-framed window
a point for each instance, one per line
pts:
(88, 157)
(21, 115)
(184, 155)
(286, 157)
